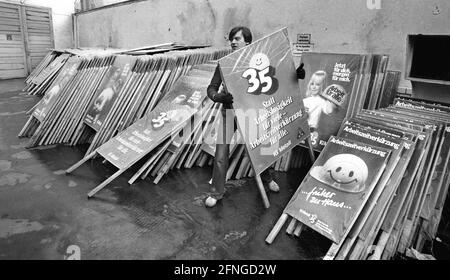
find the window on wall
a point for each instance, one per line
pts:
(86, 5)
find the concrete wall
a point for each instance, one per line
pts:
(62, 11)
(348, 26)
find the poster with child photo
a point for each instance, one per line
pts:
(329, 89)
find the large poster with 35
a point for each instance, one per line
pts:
(266, 98)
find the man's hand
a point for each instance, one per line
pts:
(223, 97)
(301, 72)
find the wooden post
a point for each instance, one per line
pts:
(276, 229)
(291, 227)
(311, 150)
(298, 229)
(107, 181)
(262, 191)
(76, 165)
(332, 252)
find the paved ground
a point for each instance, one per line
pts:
(44, 212)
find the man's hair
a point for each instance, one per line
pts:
(245, 32)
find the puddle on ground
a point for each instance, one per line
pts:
(59, 172)
(234, 235)
(200, 200)
(9, 227)
(46, 240)
(235, 183)
(37, 187)
(44, 147)
(72, 184)
(6, 114)
(13, 179)
(5, 165)
(22, 155)
(20, 146)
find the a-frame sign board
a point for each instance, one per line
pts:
(171, 114)
(266, 101)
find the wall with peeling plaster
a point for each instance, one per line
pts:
(335, 25)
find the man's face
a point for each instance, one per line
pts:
(238, 41)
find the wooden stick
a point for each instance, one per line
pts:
(291, 227)
(107, 181)
(332, 252)
(311, 150)
(262, 191)
(298, 229)
(276, 229)
(76, 165)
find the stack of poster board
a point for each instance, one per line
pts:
(31, 81)
(401, 205)
(55, 115)
(169, 140)
(103, 94)
(40, 79)
(157, 135)
(336, 86)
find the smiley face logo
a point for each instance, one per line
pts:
(259, 61)
(345, 172)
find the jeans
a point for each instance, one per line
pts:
(221, 157)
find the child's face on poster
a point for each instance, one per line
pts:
(315, 84)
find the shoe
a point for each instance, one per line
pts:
(210, 201)
(273, 186)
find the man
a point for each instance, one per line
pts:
(239, 37)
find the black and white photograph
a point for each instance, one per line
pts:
(225, 139)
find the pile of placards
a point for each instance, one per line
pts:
(56, 115)
(127, 97)
(169, 135)
(379, 186)
(349, 82)
(43, 75)
(95, 96)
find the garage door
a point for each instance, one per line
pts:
(39, 34)
(26, 36)
(12, 46)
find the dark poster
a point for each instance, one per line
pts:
(108, 91)
(328, 90)
(270, 115)
(337, 186)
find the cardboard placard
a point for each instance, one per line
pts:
(270, 115)
(329, 89)
(337, 187)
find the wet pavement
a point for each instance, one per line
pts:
(45, 214)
